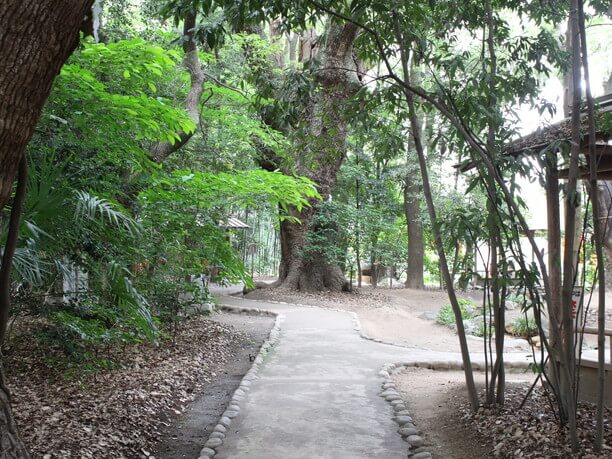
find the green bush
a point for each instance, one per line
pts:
(446, 315)
(524, 327)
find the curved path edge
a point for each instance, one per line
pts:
(217, 436)
(407, 430)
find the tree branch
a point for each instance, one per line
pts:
(162, 150)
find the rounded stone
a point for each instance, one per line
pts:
(397, 402)
(220, 428)
(408, 431)
(399, 407)
(441, 366)
(422, 364)
(220, 435)
(422, 455)
(403, 413)
(231, 414)
(225, 421)
(234, 408)
(420, 449)
(213, 443)
(207, 452)
(401, 420)
(391, 398)
(415, 441)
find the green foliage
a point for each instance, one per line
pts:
(97, 204)
(446, 316)
(524, 327)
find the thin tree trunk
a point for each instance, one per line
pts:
(601, 275)
(496, 252)
(445, 273)
(412, 211)
(10, 443)
(357, 225)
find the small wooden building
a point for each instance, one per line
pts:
(551, 145)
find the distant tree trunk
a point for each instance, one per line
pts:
(36, 38)
(358, 226)
(416, 249)
(322, 148)
(413, 194)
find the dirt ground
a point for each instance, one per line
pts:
(185, 437)
(399, 315)
(434, 399)
(158, 399)
(437, 400)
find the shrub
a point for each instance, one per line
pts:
(524, 327)
(446, 315)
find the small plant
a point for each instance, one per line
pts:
(524, 327)
(446, 316)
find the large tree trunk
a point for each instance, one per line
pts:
(413, 194)
(322, 148)
(416, 249)
(36, 38)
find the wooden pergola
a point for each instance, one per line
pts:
(558, 135)
(545, 143)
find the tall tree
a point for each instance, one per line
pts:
(320, 150)
(413, 192)
(36, 38)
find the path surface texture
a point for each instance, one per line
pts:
(316, 394)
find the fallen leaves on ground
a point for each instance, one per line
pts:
(112, 413)
(336, 300)
(533, 431)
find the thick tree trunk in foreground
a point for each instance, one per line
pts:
(36, 38)
(299, 271)
(322, 149)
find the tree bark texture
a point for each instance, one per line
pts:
(36, 38)
(321, 149)
(416, 250)
(11, 446)
(413, 195)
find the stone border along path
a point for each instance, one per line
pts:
(312, 391)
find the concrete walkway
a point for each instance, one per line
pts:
(317, 391)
